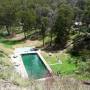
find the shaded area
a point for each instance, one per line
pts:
(81, 42)
(49, 49)
(35, 36)
(9, 43)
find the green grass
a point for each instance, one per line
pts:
(50, 60)
(7, 72)
(65, 68)
(82, 77)
(9, 43)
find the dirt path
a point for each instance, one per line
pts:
(28, 43)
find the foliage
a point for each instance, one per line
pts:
(44, 27)
(7, 13)
(84, 68)
(81, 42)
(86, 16)
(54, 19)
(66, 68)
(63, 24)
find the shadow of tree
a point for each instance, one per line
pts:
(12, 42)
(48, 48)
(35, 36)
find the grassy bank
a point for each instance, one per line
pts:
(68, 67)
(65, 68)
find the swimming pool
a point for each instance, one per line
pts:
(30, 64)
(34, 66)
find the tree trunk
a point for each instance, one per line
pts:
(25, 35)
(7, 27)
(43, 41)
(24, 31)
(51, 40)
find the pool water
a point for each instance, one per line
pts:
(34, 66)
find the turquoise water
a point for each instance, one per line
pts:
(34, 66)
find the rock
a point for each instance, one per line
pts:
(50, 54)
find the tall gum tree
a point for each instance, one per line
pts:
(63, 24)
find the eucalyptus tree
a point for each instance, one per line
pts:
(26, 16)
(8, 9)
(63, 24)
(27, 20)
(44, 26)
(52, 18)
(86, 15)
(80, 7)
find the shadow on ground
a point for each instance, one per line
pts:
(12, 42)
(50, 48)
(35, 36)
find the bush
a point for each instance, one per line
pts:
(81, 42)
(84, 68)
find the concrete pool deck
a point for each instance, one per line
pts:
(18, 65)
(16, 59)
